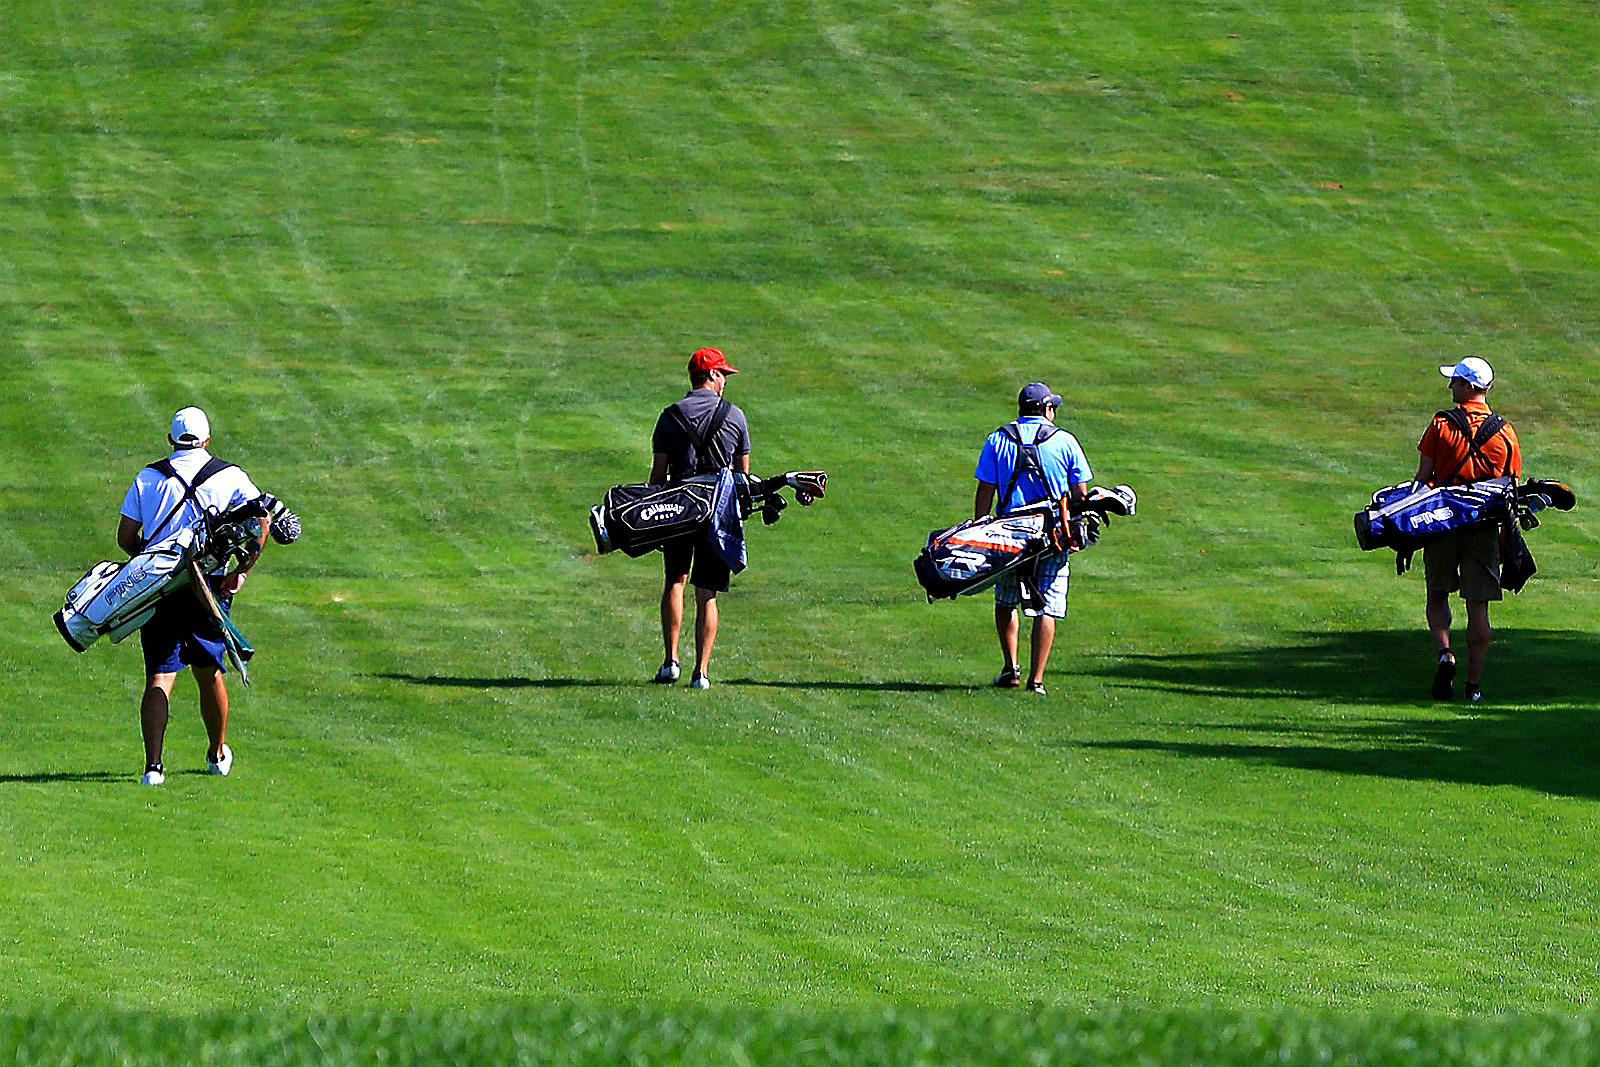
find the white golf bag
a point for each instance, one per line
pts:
(115, 599)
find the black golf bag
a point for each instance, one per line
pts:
(639, 518)
(970, 556)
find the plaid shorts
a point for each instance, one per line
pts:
(1049, 581)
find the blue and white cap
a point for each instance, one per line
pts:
(1473, 370)
(190, 428)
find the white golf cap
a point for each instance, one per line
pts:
(1473, 369)
(190, 429)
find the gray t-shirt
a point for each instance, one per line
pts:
(683, 459)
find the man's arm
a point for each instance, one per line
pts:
(234, 581)
(1079, 490)
(128, 538)
(744, 463)
(983, 499)
(1425, 469)
(658, 469)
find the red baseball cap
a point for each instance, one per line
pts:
(710, 359)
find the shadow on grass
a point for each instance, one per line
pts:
(68, 776)
(1554, 667)
(497, 683)
(870, 687)
(1539, 728)
(566, 683)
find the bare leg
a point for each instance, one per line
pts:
(1477, 639)
(705, 627)
(1044, 635)
(672, 616)
(153, 713)
(1439, 619)
(213, 708)
(1005, 625)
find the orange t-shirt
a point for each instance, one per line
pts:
(1448, 448)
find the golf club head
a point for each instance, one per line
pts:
(1560, 494)
(285, 529)
(1120, 500)
(814, 483)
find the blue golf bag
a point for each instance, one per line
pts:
(1411, 515)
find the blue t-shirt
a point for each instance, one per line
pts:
(1061, 456)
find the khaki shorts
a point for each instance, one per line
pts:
(1468, 560)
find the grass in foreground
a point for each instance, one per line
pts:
(433, 268)
(576, 1035)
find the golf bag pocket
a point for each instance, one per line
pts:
(638, 518)
(970, 556)
(1409, 515)
(116, 599)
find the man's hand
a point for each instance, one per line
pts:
(232, 583)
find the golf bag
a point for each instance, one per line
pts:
(639, 518)
(970, 556)
(115, 599)
(1411, 515)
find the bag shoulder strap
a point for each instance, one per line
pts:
(704, 439)
(165, 468)
(1027, 456)
(1490, 426)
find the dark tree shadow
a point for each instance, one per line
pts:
(1539, 729)
(1554, 667)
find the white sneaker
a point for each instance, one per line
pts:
(668, 672)
(153, 775)
(699, 681)
(220, 766)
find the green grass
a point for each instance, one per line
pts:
(433, 269)
(584, 1034)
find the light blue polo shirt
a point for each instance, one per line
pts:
(1061, 456)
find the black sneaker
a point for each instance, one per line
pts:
(1444, 676)
(1010, 678)
(1473, 693)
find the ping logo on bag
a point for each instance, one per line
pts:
(1423, 518)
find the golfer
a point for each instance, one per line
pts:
(165, 497)
(1456, 449)
(1033, 460)
(700, 434)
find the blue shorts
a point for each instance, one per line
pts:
(1049, 581)
(182, 634)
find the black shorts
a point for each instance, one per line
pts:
(696, 558)
(181, 634)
